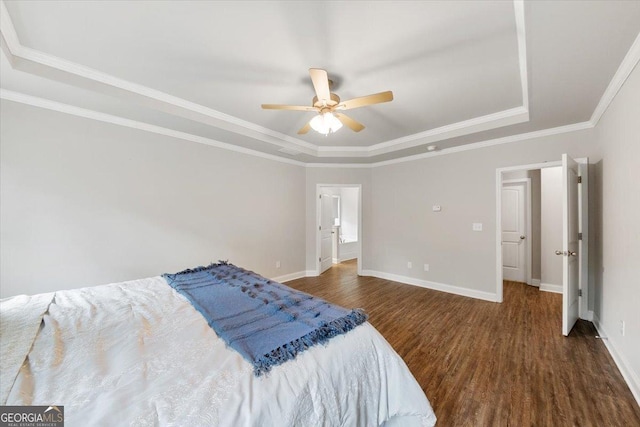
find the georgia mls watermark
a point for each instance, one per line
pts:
(32, 416)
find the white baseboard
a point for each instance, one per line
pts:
(348, 257)
(487, 296)
(590, 316)
(535, 282)
(290, 276)
(335, 261)
(627, 373)
(547, 287)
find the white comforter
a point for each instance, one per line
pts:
(137, 353)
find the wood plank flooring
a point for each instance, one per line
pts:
(487, 364)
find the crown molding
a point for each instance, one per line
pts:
(477, 124)
(339, 165)
(491, 142)
(120, 121)
(518, 6)
(49, 66)
(627, 65)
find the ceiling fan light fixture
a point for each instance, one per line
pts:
(325, 123)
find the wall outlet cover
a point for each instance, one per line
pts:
(477, 226)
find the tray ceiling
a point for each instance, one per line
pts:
(461, 72)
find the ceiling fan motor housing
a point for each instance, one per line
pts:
(335, 100)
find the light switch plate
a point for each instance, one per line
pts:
(477, 226)
(436, 208)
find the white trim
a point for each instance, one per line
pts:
(115, 120)
(627, 65)
(623, 365)
(90, 114)
(466, 127)
(290, 276)
(490, 143)
(547, 287)
(466, 292)
(8, 32)
(518, 6)
(590, 316)
(535, 282)
(340, 165)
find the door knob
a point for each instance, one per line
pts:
(559, 253)
(521, 237)
(572, 253)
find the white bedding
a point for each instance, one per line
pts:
(137, 353)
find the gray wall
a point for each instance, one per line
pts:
(86, 203)
(405, 228)
(617, 226)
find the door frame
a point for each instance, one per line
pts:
(529, 254)
(583, 192)
(317, 231)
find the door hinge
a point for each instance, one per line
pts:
(320, 196)
(319, 259)
(579, 236)
(319, 228)
(579, 180)
(579, 292)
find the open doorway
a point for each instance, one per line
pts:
(542, 233)
(339, 219)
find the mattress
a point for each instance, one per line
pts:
(137, 353)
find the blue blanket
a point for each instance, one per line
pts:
(266, 322)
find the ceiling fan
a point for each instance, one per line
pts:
(328, 105)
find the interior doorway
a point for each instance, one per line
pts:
(339, 225)
(559, 226)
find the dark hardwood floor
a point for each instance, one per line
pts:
(487, 364)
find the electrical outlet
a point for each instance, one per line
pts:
(426, 267)
(410, 264)
(277, 264)
(622, 327)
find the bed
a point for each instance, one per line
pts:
(138, 353)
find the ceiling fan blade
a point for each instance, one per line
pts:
(320, 82)
(304, 129)
(349, 122)
(288, 107)
(376, 98)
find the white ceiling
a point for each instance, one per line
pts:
(461, 72)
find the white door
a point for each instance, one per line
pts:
(570, 266)
(325, 228)
(514, 252)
